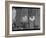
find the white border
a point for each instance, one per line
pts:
(25, 32)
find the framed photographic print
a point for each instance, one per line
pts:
(24, 18)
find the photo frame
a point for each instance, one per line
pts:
(29, 20)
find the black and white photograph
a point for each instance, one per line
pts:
(25, 18)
